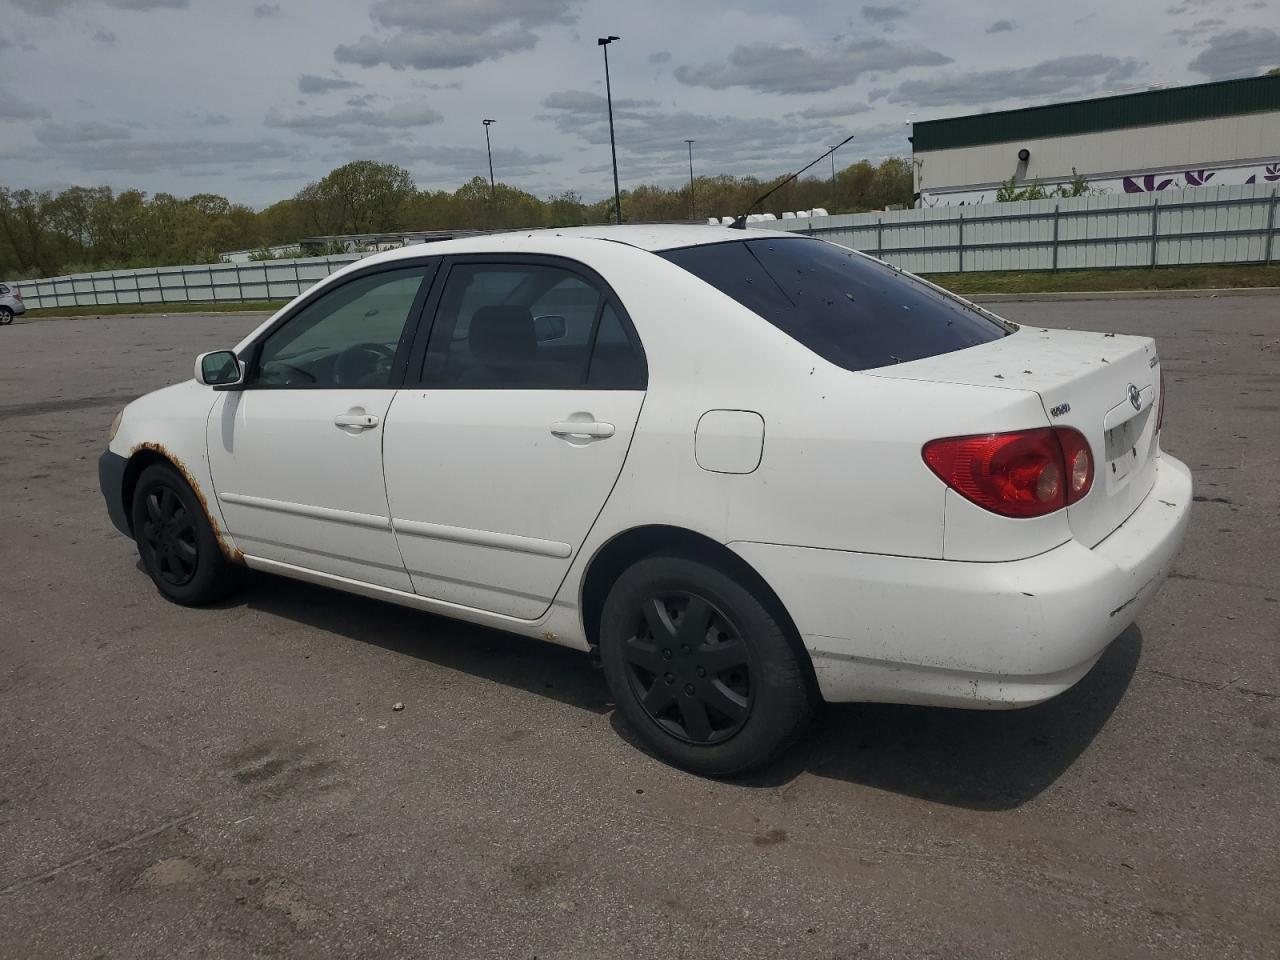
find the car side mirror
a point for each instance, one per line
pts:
(220, 369)
(549, 327)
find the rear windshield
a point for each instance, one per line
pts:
(848, 309)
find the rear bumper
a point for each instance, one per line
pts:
(111, 467)
(978, 635)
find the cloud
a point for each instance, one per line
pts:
(84, 131)
(662, 56)
(356, 124)
(15, 108)
(1060, 78)
(1238, 53)
(651, 141)
(580, 101)
(154, 156)
(1002, 26)
(885, 14)
(51, 8)
(1197, 30)
(266, 11)
(779, 68)
(507, 162)
(434, 51)
(470, 16)
(311, 83)
(453, 33)
(104, 36)
(826, 113)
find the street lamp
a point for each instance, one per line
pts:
(832, 148)
(693, 206)
(489, 147)
(613, 147)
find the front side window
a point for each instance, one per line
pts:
(848, 309)
(525, 326)
(348, 337)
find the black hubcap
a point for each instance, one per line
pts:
(170, 535)
(689, 667)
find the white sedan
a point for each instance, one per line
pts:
(752, 471)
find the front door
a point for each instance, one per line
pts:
(296, 456)
(499, 462)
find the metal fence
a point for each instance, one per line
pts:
(1203, 225)
(210, 283)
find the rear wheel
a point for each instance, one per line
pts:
(176, 541)
(6, 316)
(701, 669)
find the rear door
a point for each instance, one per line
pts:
(499, 460)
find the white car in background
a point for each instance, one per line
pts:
(754, 471)
(11, 304)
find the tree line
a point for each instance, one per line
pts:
(80, 229)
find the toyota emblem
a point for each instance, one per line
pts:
(1135, 397)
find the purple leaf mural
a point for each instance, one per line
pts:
(1148, 184)
(1198, 178)
(1272, 173)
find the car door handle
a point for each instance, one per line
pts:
(594, 429)
(358, 421)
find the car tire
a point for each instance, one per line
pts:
(6, 316)
(176, 542)
(702, 670)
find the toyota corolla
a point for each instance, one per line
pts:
(751, 471)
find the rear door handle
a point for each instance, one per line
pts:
(594, 429)
(358, 421)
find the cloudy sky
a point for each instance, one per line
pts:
(253, 99)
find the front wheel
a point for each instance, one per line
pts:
(701, 669)
(176, 541)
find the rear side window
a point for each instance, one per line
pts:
(848, 309)
(528, 326)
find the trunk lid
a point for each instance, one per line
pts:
(1104, 385)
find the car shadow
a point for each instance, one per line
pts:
(546, 669)
(982, 760)
(978, 759)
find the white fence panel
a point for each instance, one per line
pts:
(1203, 225)
(206, 283)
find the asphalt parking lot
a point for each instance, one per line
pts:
(233, 782)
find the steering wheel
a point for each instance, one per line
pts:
(362, 364)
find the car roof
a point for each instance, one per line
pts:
(652, 237)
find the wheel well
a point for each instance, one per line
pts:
(132, 471)
(636, 544)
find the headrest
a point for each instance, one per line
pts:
(503, 335)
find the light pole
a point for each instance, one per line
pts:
(489, 147)
(693, 205)
(613, 147)
(832, 148)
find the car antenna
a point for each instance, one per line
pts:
(741, 222)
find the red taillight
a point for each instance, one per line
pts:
(1160, 412)
(1026, 473)
(17, 294)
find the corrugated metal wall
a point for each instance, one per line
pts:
(1236, 224)
(1232, 224)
